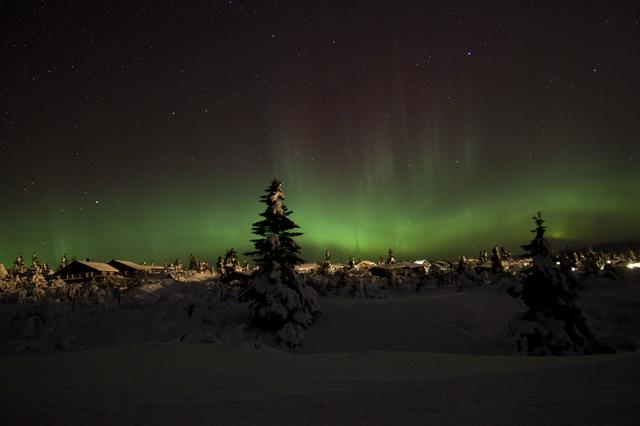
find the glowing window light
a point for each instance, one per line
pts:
(633, 265)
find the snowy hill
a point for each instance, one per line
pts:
(170, 352)
(157, 383)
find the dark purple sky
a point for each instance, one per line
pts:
(149, 128)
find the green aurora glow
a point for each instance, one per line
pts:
(433, 128)
(358, 212)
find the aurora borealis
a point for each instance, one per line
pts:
(148, 130)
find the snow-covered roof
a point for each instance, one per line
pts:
(365, 264)
(130, 264)
(154, 267)
(305, 267)
(403, 265)
(99, 266)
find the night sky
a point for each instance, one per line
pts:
(148, 129)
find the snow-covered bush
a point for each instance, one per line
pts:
(4, 274)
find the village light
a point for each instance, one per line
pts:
(633, 265)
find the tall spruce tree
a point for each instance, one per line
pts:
(560, 328)
(543, 285)
(281, 302)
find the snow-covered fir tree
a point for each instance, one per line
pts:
(63, 261)
(281, 302)
(325, 267)
(231, 263)
(390, 257)
(18, 265)
(462, 265)
(193, 263)
(496, 260)
(553, 324)
(34, 261)
(220, 266)
(327, 258)
(483, 257)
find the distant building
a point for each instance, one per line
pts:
(128, 268)
(80, 270)
(155, 269)
(365, 264)
(306, 267)
(404, 269)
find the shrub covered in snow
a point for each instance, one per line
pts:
(80, 315)
(3, 272)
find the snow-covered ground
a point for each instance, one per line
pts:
(435, 320)
(170, 383)
(178, 353)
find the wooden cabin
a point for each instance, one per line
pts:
(80, 270)
(128, 268)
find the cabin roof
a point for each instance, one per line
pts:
(154, 267)
(99, 266)
(402, 265)
(96, 266)
(128, 263)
